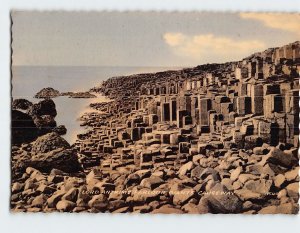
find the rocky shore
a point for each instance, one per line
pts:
(216, 138)
(49, 92)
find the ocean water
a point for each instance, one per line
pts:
(28, 80)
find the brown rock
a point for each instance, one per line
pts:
(65, 206)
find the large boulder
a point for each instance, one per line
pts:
(278, 157)
(23, 128)
(49, 142)
(45, 123)
(65, 160)
(44, 107)
(220, 200)
(22, 104)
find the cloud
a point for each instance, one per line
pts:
(211, 48)
(286, 22)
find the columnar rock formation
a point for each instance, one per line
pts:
(216, 138)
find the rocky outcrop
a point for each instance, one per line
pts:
(23, 128)
(79, 94)
(47, 152)
(21, 104)
(61, 130)
(47, 93)
(45, 123)
(44, 107)
(49, 142)
(63, 159)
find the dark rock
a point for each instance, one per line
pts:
(62, 159)
(220, 200)
(45, 123)
(278, 157)
(22, 104)
(79, 94)
(48, 92)
(44, 107)
(61, 130)
(23, 128)
(49, 142)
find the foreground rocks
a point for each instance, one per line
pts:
(46, 153)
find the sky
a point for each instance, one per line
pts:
(154, 39)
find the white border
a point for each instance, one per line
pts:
(121, 223)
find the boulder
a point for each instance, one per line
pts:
(183, 196)
(293, 190)
(39, 201)
(44, 107)
(184, 169)
(44, 123)
(261, 186)
(235, 173)
(23, 128)
(99, 202)
(145, 195)
(292, 175)
(151, 182)
(65, 160)
(220, 200)
(71, 195)
(279, 180)
(278, 157)
(55, 198)
(49, 142)
(22, 104)
(61, 130)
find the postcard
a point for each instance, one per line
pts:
(155, 112)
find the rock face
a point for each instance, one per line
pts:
(22, 104)
(48, 152)
(23, 128)
(61, 130)
(49, 142)
(222, 201)
(63, 159)
(46, 93)
(45, 123)
(44, 107)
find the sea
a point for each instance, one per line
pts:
(28, 80)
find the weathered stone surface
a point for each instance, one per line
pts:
(65, 160)
(49, 142)
(223, 201)
(44, 107)
(277, 156)
(22, 104)
(151, 182)
(186, 168)
(65, 206)
(259, 186)
(23, 127)
(183, 196)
